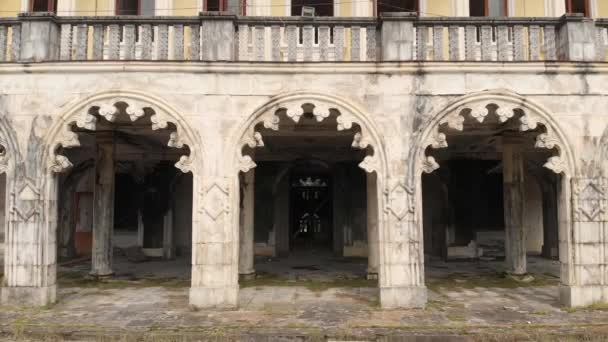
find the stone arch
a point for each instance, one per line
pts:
(324, 105)
(105, 103)
(505, 104)
(11, 154)
(348, 114)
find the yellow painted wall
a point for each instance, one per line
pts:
(346, 8)
(438, 8)
(278, 8)
(602, 9)
(93, 7)
(185, 7)
(10, 8)
(529, 8)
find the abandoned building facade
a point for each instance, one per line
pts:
(397, 131)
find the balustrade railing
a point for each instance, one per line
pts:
(483, 39)
(38, 37)
(10, 39)
(295, 39)
(130, 38)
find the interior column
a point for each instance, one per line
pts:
(246, 245)
(103, 213)
(514, 203)
(372, 227)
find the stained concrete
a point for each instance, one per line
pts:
(157, 307)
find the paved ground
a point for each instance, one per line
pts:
(149, 301)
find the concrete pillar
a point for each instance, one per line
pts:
(576, 38)
(31, 237)
(550, 222)
(219, 35)
(372, 226)
(514, 203)
(282, 216)
(168, 246)
(40, 37)
(246, 246)
(397, 34)
(214, 240)
(103, 213)
(340, 210)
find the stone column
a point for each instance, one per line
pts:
(340, 209)
(282, 217)
(514, 203)
(168, 245)
(215, 240)
(246, 245)
(550, 221)
(31, 238)
(103, 212)
(372, 226)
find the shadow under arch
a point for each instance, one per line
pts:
(505, 104)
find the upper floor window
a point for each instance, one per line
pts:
(488, 8)
(43, 5)
(397, 6)
(135, 7)
(323, 8)
(578, 6)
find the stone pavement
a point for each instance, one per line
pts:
(473, 304)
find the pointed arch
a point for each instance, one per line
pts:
(137, 103)
(324, 104)
(506, 104)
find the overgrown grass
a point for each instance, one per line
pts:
(456, 281)
(312, 285)
(79, 280)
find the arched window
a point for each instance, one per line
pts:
(43, 5)
(578, 6)
(384, 6)
(488, 8)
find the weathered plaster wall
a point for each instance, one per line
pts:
(399, 99)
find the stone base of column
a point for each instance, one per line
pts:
(247, 276)
(403, 297)
(29, 296)
(101, 274)
(577, 296)
(371, 275)
(213, 297)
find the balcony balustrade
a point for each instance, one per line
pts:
(38, 37)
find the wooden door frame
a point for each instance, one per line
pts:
(50, 6)
(116, 7)
(223, 5)
(585, 3)
(505, 4)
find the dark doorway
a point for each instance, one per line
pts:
(311, 211)
(323, 8)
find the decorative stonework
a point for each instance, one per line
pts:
(504, 110)
(400, 202)
(556, 164)
(369, 164)
(215, 201)
(429, 164)
(109, 108)
(590, 199)
(294, 110)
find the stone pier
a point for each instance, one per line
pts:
(246, 250)
(103, 214)
(514, 204)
